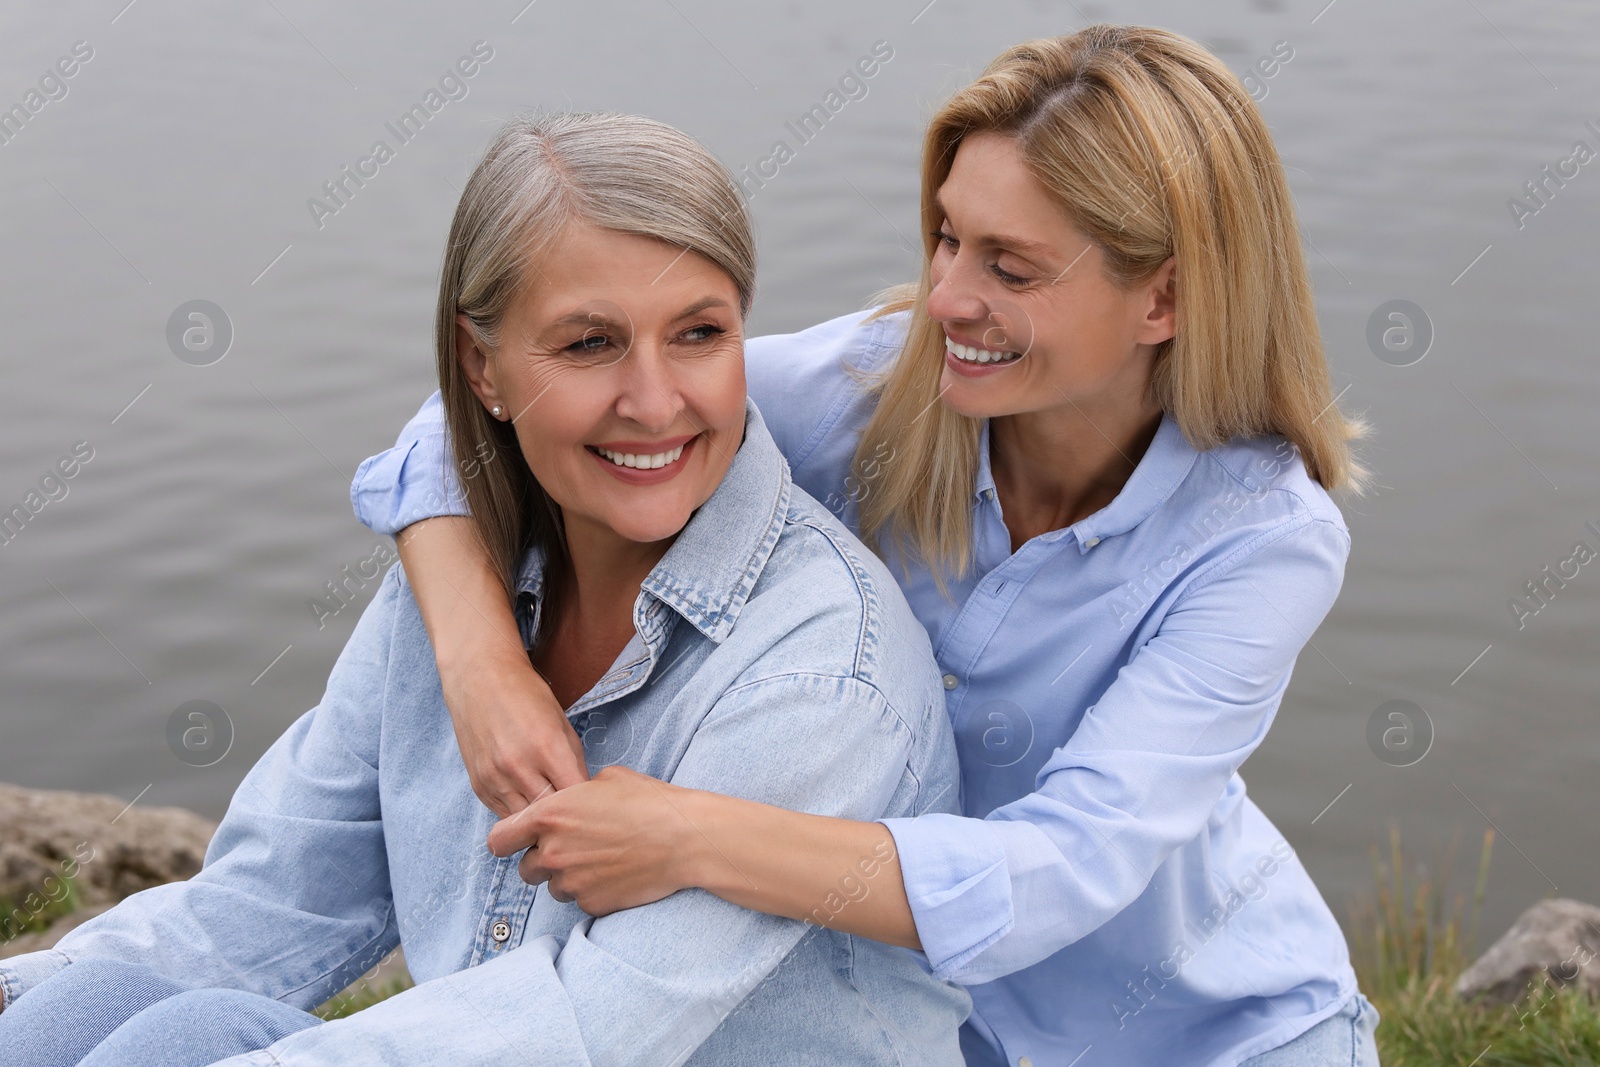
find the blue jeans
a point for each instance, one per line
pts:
(107, 1013)
(1344, 1039)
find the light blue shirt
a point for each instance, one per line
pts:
(772, 658)
(1109, 891)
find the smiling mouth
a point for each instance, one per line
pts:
(639, 460)
(974, 355)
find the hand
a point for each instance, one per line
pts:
(514, 736)
(617, 841)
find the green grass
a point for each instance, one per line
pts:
(34, 913)
(1409, 948)
(362, 995)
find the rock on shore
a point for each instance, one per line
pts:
(1555, 940)
(110, 849)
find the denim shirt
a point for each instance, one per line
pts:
(772, 659)
(1108, 890)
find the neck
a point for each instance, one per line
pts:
(603, 574)
(1056, 467)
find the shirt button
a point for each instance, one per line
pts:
(951, 681)
(500, 930)
(1025, 1061)
(1091, 542)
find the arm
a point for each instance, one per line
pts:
(1140, 776)
(293, 901)
(648, 985)
(514, 736)
(625, 839)
(1138, 779)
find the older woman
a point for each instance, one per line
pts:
(1096, 441)
(670, 581)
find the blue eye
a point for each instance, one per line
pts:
(706, 332)
(589, 343)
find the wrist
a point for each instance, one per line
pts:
(699, 864)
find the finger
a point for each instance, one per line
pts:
(515, 833)
(567, 768)
(531, 871)
(514, 802)
(493, 801)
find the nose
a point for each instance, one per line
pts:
(954, 297)
(649, 392)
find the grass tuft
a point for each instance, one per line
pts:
(1409, 947)
(35, 912)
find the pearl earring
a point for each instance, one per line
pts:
(496, 411)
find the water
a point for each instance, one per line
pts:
(180, 162)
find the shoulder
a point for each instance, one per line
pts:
(806, 382)
(1251, 498)
(840, 611)
(856, 338)
(389, 630)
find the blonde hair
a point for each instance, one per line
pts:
(1154, 150)
(540, 174)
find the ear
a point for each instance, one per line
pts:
(1159, 321)
(477, 363)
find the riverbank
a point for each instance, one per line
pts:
(1529, 1000)
(1532, 999)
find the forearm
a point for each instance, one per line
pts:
(462, 600)
(515, 740)
(838, 873)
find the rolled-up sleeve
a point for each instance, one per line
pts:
(412, 481)
(1140, 775)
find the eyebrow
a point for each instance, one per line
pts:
(1020, 245)
(598, 318)
(703, 304)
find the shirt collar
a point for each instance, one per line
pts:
(708, 573)
(1157, 476)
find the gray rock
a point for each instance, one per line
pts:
(109, 849)
(1556, 939)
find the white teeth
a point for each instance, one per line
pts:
(640, 460)
(970, 354)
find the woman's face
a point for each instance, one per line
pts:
(1031, 323)
(622, 366)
